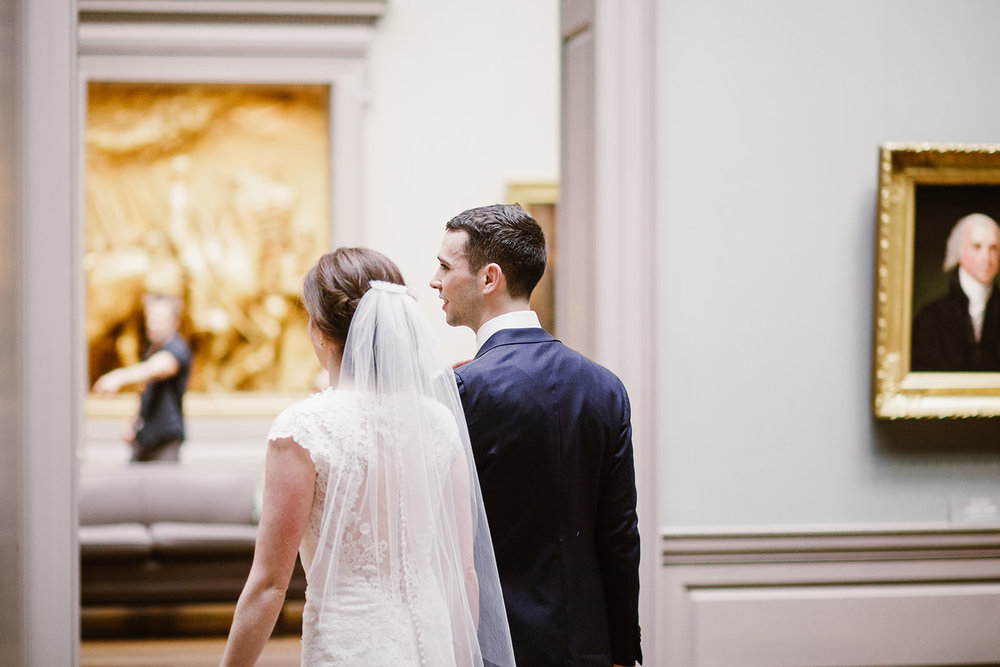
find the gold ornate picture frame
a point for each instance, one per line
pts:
(540, 199)
(924, 190)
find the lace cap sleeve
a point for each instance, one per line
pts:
(302, 421)
(284, 425)
(316, 423)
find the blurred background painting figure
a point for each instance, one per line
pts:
(157, 432)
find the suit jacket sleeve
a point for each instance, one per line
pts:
(618, 545)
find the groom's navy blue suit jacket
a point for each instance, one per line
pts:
(552, 438)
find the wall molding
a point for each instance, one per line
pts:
(829, 543)
(888, 594)
(203, 39)
(331, 11)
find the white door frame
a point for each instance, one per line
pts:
(606, 299)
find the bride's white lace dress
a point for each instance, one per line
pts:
(367, 608)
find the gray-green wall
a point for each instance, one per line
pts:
(11, 524)
(770, 117)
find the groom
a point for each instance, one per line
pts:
(552, 439)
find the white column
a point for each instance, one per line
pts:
(607, 280)
(50, 336)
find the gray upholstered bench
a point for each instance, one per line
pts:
(158, 540)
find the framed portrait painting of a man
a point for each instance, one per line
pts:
(937, 306)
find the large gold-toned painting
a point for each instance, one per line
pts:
(218, 194)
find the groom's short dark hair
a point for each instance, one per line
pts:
(504, 234)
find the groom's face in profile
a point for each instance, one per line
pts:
(456, 284)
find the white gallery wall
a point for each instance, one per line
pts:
(770, 117)
(464, 101)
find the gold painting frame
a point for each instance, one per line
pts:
(541, 200)
(923, 190)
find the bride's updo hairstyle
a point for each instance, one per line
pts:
(335, 285)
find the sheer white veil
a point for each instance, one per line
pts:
(404, 506)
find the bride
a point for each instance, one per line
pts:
(372, 483)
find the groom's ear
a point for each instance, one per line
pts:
(492, 278)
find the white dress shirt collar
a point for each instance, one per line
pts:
(978, 294)
(518, 319)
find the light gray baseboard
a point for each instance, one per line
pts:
(822, 596)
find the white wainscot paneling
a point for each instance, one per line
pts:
(926, 595)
